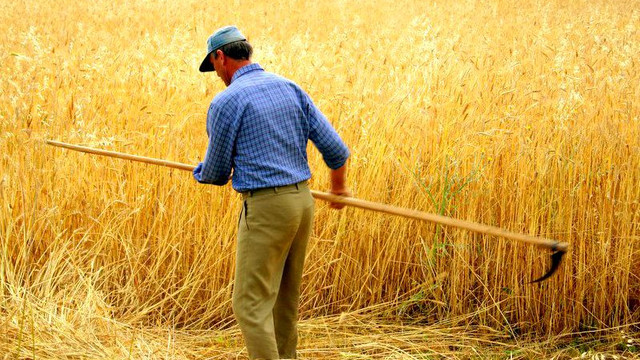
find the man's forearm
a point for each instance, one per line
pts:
(339, 180)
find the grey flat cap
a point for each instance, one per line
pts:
(221, 37)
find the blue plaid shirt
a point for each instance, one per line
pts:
(259, 127)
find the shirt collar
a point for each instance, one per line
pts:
(246, 69)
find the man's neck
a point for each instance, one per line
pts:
(234, 65)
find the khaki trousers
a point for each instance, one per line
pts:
(273, 232)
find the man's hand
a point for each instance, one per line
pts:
(340, 192)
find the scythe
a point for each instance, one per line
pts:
(558, 248)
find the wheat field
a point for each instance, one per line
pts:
(521, 115)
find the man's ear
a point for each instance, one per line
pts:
(221, 56)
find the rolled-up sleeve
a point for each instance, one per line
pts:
(222, 128)
(334, 151)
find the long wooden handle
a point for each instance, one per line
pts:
(351, 201)
(144, 159)
(442, 220)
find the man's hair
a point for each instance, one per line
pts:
(237, 50)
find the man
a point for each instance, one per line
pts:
(259, 128)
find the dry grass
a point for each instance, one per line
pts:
(522, 116)
(42, 330)
(89, 333)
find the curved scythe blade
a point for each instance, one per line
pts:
(556, 258)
